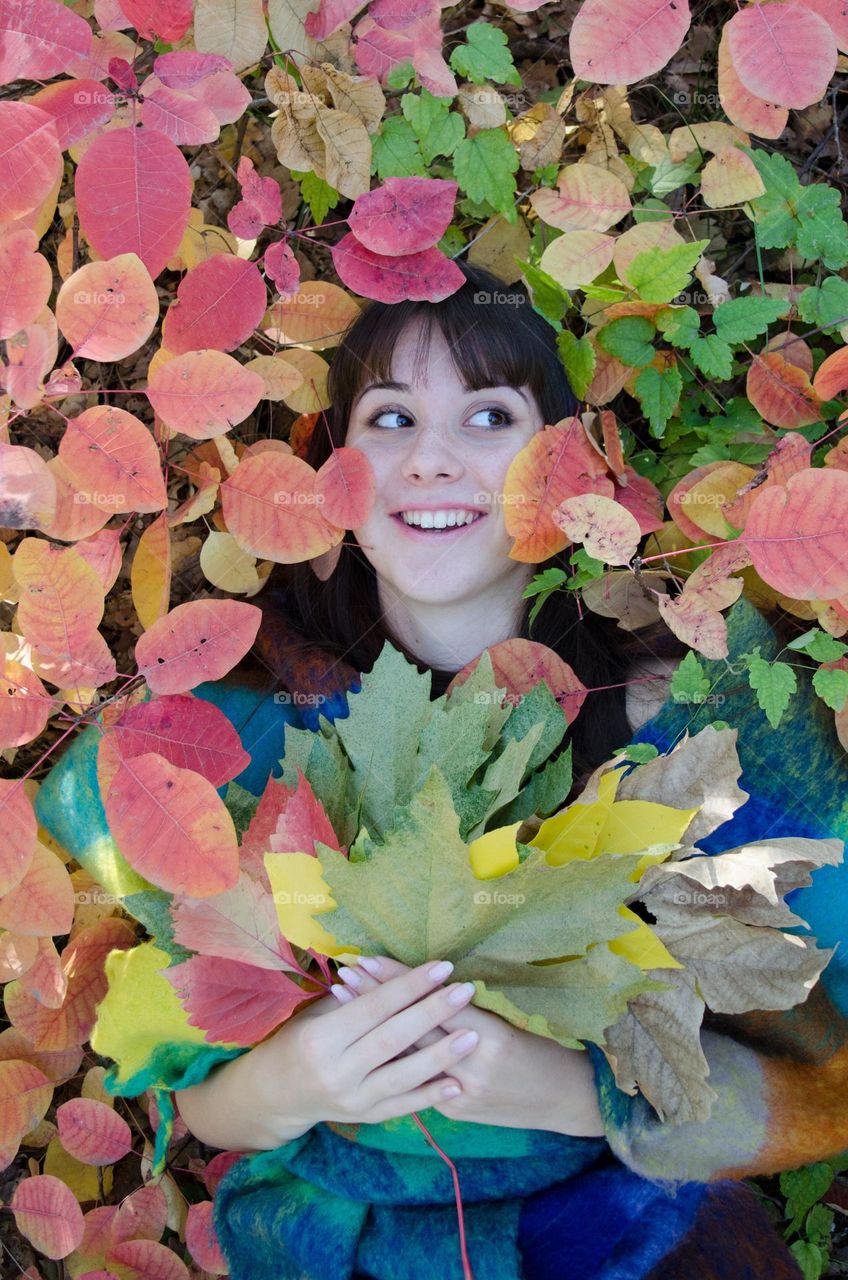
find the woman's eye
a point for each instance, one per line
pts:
(502, 413)
(374, 420)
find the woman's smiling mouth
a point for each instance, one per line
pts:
(437, 522)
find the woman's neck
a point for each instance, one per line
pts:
(448, 636)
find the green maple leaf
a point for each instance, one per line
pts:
(486, 56)
(530, 938)
(484, 167)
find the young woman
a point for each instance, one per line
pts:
(441, 398)
(561, 1174)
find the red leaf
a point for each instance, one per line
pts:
(219, 304)
(427, 276)
(405, 215)
(172, 826)
(189, 732)
(234, 1002)
(41, 40)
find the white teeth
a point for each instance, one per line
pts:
(439, 519)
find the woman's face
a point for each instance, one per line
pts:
(435, 447)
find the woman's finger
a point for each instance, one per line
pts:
(357, 981)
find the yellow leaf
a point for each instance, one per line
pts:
(494, 853)
(638, 824)
(574, 832)
(81, 1178)
(641, 946)
(300, 891)
(140, 1010)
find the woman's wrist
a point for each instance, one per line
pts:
(576, 1111)
(233, 1108)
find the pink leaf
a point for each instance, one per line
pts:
(77, 106)
(219, 304)
(403, 216)
(234, 1002)
(180, 117)
(282, 266)
(47, 1212)
(93, 1132)
(331, 15)
(183, 68)
(783, 52)
(41, 39)
(626, 42)
(427, 276)
(17, 822)
(149, 186)
(264, 193)
(172, 826)
(199, 640)
(168, 20)
(201, 1240)
(240, 924)
(30, 158)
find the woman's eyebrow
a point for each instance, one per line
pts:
(404, 386)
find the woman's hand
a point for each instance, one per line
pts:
(514, 1078)
(359, 1063)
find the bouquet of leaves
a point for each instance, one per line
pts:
(436, 829)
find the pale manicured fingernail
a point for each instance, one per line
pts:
(350, 976)
(451, 1090)
(370, 964)
(341, 994)
(461, 993)
(465, 1041)
(440, 970)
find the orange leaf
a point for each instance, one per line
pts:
(270, 508)
(797, 535)
(150, 572)
(345, 487)
(25, 1095)
(112, 461)
(832, 375)
(204, 393)
(108, 309)
(518, 666)
(557, 463)
(781, 392)
(43, 901)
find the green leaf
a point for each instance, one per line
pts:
(629, 339)
(415, 897)
(825, 305)
(809, 1258)
(401, 75)
(549, 297)
(484, 166)
(658, 275)
(775, 219)
(803, 1188)
(640, 752)
(667, 175)
(317, 193)
(822, 233)
(680, 326)
(712, 356)
(658, 395)
(578, 358)
(689, 683)
(437, 128)
(485, 56)
(774, 684)
(742, 319)
(820, 645)
(831, 684)
(395, 152)
(242, 804)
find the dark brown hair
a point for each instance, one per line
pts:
(496, 337)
